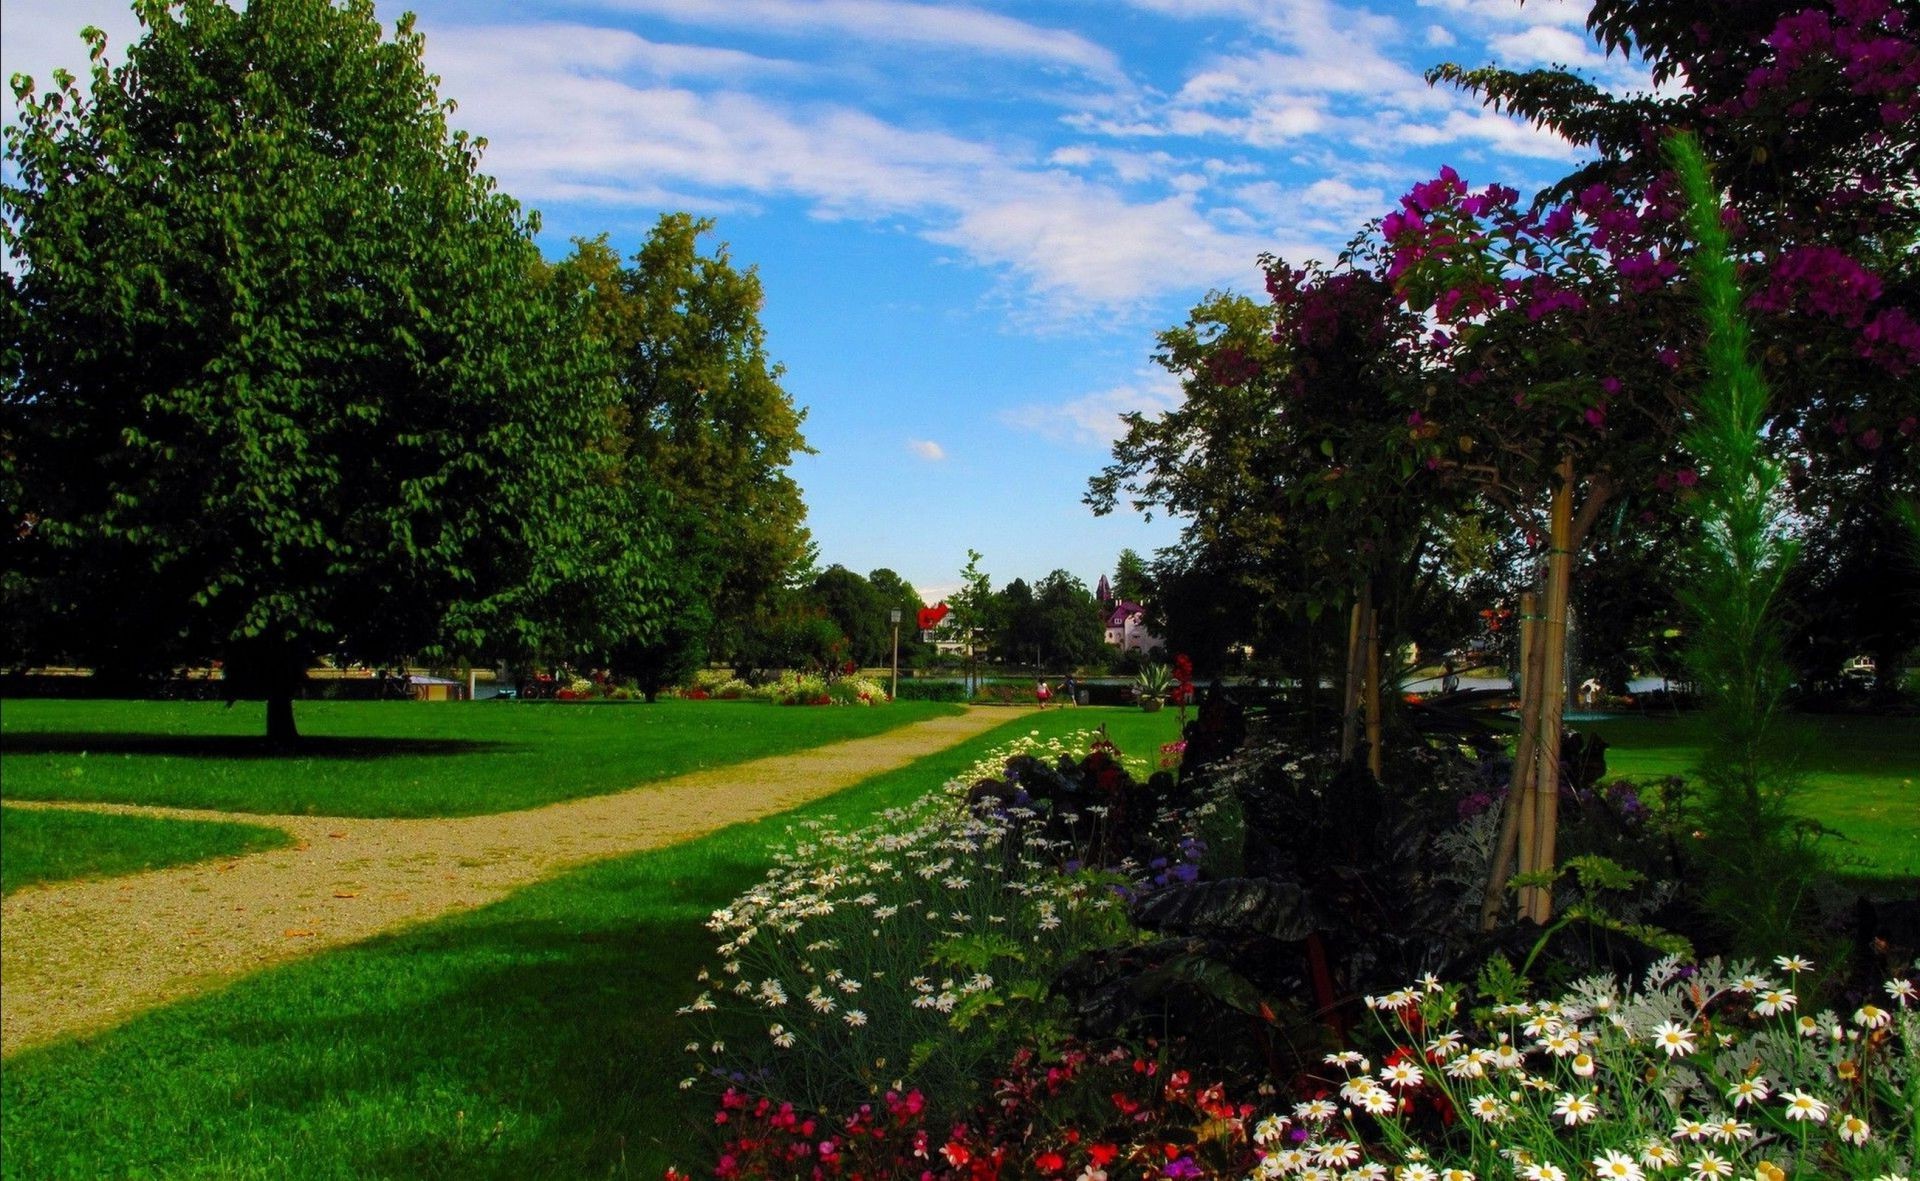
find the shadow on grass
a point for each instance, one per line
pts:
(526, 1040)
(243, 746)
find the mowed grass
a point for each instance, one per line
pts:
(535, 1038)
(1858, 775)
(45, 845)
(397, 758)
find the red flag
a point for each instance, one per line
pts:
(930, 616)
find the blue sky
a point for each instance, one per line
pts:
(970, 218)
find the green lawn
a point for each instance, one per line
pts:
(397, 758)
(1860, 776)
(531, 1039)
(39, 845)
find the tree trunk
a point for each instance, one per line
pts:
(281, 731)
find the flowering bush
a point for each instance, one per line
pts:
(1080, 1115)
(792, 688)
(1704, 1071)
(915, 950)
(857, 691)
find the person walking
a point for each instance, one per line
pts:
(1070, 689)
(1041, 693)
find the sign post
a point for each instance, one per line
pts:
(894, 617)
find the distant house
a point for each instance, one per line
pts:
(1127, 628)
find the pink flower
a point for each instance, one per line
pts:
(1596, 416)
(1868, 439)
(1686, 477)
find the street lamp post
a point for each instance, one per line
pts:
(894, 617)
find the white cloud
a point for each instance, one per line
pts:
(1571, 14)
(561, 125)
(1544, 45)
(927, 449)
(1093, 420)
(891, 21)
(1494, 130)
(601, 50)
(1438, 37)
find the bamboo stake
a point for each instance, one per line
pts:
(1526, 763)
(1350, 690)
(1553, 683)
(1375, 759)
(1519, 802)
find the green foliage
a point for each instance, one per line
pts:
(1498, 982)
(1132, 580)
(275, 357)
(1736, 569)
(975, 608)
(894, 593)
(855, 608)
(702, 413)
(1155, 681)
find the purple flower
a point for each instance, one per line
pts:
(1181, 1167)
(1820, 279)
(1892, 339)
(1553, 301)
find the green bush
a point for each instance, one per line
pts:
(931, 691)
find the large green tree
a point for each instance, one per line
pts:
(703, 412)
(849, 600)
(1071, 632)
(277, 379)
(897, 594)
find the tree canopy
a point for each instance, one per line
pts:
(279, 380)
(702, 410)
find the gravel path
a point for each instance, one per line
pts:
(80, 956)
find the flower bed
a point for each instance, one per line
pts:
(920, 948)
(1051, 969)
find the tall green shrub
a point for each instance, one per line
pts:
(1760, 857)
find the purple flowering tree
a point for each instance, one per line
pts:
(1809, 114)
(1555, 391)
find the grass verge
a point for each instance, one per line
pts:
(531, 1039)
(43, 845)
(398, 758)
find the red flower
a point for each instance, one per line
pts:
(1049, 1162)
